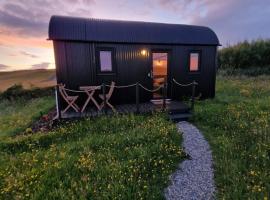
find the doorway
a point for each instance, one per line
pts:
(159, 71)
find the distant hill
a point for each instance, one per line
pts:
(28, 78)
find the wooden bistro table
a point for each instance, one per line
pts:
(90, 91)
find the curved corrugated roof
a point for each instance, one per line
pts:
(100, 30)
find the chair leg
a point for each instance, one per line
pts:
(101, 105)
(73, 105)
(110, 105)
(65, 110)
(76, 106)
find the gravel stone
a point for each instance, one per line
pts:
(194, 178)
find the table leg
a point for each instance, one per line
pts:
(96, 104)
(87, 101)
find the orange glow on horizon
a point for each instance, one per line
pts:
(11, 40)
(20, 53)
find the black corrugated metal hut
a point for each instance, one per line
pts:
(94, 51)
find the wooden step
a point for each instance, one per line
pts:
(177, 108)
(160, 101)
(178, 111)
(180, 117)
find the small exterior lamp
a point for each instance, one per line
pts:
(143, 52)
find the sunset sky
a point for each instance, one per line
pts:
(24, 23)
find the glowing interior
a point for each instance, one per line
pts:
(194, 62)
(160, 62)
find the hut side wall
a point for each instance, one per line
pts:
(205, 77)
(76, 65)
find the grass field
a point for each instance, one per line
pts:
(127, 157)
(130, 157)
(16, 116)
(124, 157)
(27, 78)
(237, 126)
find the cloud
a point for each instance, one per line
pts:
(43, 65)
(82, 11)
(17, 9)
(3, 67)
(28, 54)
(31, 17)
(232, 20)
(175, 5)
(21, 25)
(238, 20)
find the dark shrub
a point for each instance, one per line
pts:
(245, 55)
(17, 91)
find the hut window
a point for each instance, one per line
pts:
(105, 60)
(194, 61)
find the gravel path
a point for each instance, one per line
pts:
(194, 178)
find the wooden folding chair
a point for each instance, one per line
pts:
(108, 96)
(69, 99)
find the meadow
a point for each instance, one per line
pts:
(131, 156)
(236, 123)
(120, 157)
(19, 108)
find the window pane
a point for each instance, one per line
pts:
(105, 61)
(194, 62)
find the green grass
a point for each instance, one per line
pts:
(120, 157)
(131, 157)
(251, 71)
(237, 126)
(17, 115)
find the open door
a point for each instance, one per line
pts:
(159, 71)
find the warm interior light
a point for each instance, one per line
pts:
(143, 52)
(194, 62)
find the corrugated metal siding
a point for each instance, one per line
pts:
(206, 76)
(131, 67)
(61, 69)
(76, 65)
(60, 62)
(68, 29)
(96, 30)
